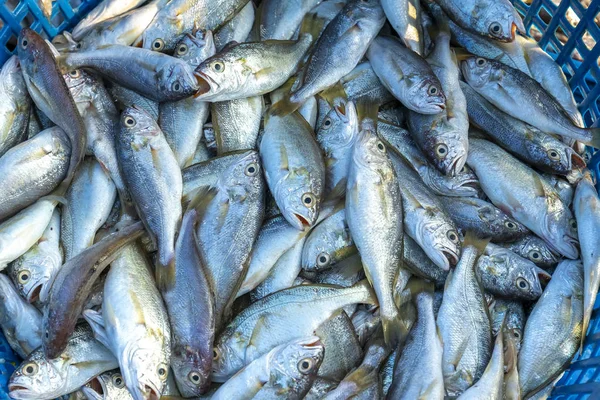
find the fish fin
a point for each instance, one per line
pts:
(595, 141)
(334, 92)
(165, 275)
(199, 199)
(540, 190)
(284, 107)
(95, 320)
(58, 199)
(472, 240)
(312, 24)
(428, 392)
(395, 331)
(259, 327)
(418, 285)
(285, 164)
(366, 110)
(339, 190)
(370, 297)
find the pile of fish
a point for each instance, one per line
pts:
(293, 199)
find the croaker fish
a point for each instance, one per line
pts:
(15, 106)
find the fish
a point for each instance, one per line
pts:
(294, 168)
(242, 70)
(40, 377)
(107, 9)
(288, 369)
(179, 17)
(316, 20)
(230, 217)
(46, 7)
(107, 386)
(522, 140)
(464, 324)
(134, 325)
(15, 107)
(362, 85)
(32, 272)
(586, 205)
(154, 75)
(374, 216)
(405, 18)
(154, 179)
(328, 243)
(237, 29)
(280, 20)
(565, 190)
(245, 337)
(546, 331)
(521, 193)
(51, 95)
(366, 323)
(508, 316)
(443, 137)
(347, 37)
(406, 75)
(89, 201)
(483, 219)
(125, 97)
(320, 386)
(20, 321)
(182, 121)
(463, 184)
(73, 283)
(416, 261)
(498, 20)
(386, 373)
(508, 89)
(346, 273)
(512, 390)
(491, 383)
(237, 123)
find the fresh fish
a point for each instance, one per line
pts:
(317, 19)
(249, 69)
(587, 213)
(374, 216)
(294, 168)
(89, 201)
(336, 135)
(125, 98)
(534, 249)
(182, 121)
(483, 219)
(418, 370)
(107, 386)
(236, 29)
(553, 330)
(418, 263)
(284, 313)
(134, 324)
(405, 18)
(524, 141)
(179, 17)
(237, 123)
(74, 282)
(106, 10)
(34, 126)
(565, 190)
(497, 20)
(512, 315)
(444, 137)
(320, 386)
(191, 313)
(491, 383)
(464, 325)
(346, 273)
(231, 215)
(290, 368)
(50, 93)
(15, 106)
(510, 89)
(386, 374)
(154, 75)
(363, 86)
(347, 37)
(512, 389)
(279, 20)
(40, 377)
(520, 192)
(406, 75)
(21, 322)
(32, 272)
(20, 232)
(366, 323)
(153, 177)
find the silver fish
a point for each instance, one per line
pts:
(534, 249)
(405, 18)
(279, 20)
(237, 123)
(105, 10)
(491, 383)
(346, 273)
(363, 85)
(237, 28)
(508, 316)
(366, 323)
(107, 386)
(125, 97)
(15, 106)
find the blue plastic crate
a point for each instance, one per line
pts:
(8, 362)
(17, 14)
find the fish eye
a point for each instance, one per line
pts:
(463, 169)
(327, 123)
(441, 150)
(218, 66)
(78, 45)
(194, 377)
(30, 369)
(176, 86)
(495, 28)
(24, 43)
(510, 225)
(305, 365)
(216, 354)
(75, 73)
(251, 169)
(432, 90)
(162, 371)
(129, 121)
(553, 154)
(158, 44)
(23, 277)
(573, 223)
(117, 381)
(380, 146)
(480, 61)
(308, 199)
(522, 283)
(182, 49)
(323, 259)
(534, 255)
(452, 236)
(517, 334)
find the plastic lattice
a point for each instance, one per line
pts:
(17, 14)
(8, 362)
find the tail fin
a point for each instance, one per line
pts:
(284, 107)
(472, 240)
(395, 330)
(165, 275)
(312, 24)
(367, 113)
(595, 141)
(334, 92)
(370, 296)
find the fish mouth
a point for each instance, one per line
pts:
(203, 82)
(471, 184)
(34, 294)
(311, 342)
(543, 276)
(300, 222)
(19, 392)
(451, 256)
(577, 162)
(94, 389)
(569, 249)
(152, 393)
(456, 166)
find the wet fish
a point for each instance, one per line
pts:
(565, 190)
(237, 123)
(534, 249)
(106, 10)
(346, 273)
(363, 85)
(512, 314)
(366, 323)
(405, 18)
(512, 390)
(15, 106)
(237, 28)
(280, 20)
(125, 97)
(553, 330)
(491, 383)
(107, 386)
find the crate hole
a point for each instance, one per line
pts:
(28, 20)
(576, 55)
(572, 17)
(588, 40)
(535, 32)
(11, 44)
(561, 35)
(572, 378)
(11, 5)
(545, 15)
(75, 3)
(587, 375)
(58, 18)
(551, 48)
(578, 94)
(1, 24)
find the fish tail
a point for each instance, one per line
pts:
(595, 140)
(418, 285)
(313, 25)
(588, 306)
(394, 330)
(369, 294)
(337, 91)
(284, 107)
(367, 112)
(165, 275)
(472, 240)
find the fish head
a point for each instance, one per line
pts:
(227, 360)
(109, 385)
(477, 71)
(560, 228)
(368, 12)
(554, 154)
(222, 73)
(191, 370)
(444, 242)
(81, 84)
(536, 251)
(32, 50)
(425, 93)
(296, 362)
(9, 76)
(447, 149)
(196, 47)
(243, 178)
(162, 34)
(500, 223)
(31, 274)
(138, 128)
(178, 80)
(465, 183)
(300, 198)
(145, 368)
(38, 378)
(501, 21)
(339, 128)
